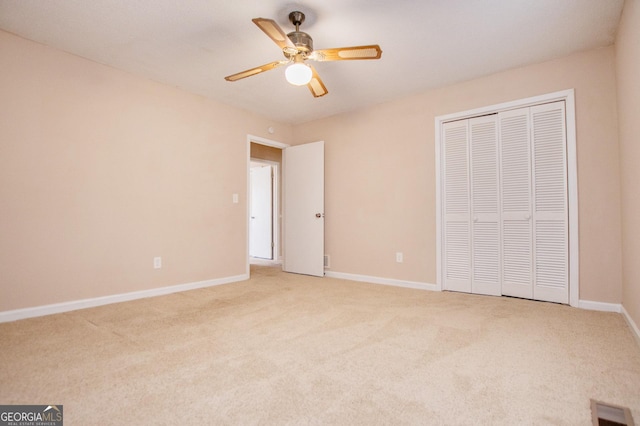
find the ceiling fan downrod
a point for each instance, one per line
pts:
(296, 18)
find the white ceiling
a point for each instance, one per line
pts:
(194, 44)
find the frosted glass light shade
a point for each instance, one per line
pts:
(298, 74)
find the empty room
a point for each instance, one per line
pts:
(320, 212)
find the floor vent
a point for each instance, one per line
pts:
(610, 415)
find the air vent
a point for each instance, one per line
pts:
(327, 261)
(610, 415)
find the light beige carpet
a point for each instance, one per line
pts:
(287, 349)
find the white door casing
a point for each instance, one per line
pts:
(303, 181)
(276, 239)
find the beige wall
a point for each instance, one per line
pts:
(100, 171)
(380, 172)
(628, 73)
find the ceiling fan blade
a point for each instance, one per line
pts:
(254, 71)
(316, 85)
(347, 53)
(274, 32)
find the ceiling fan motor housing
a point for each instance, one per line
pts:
(302, 41)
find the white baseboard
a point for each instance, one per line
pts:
(384, 281)
(57, 308)
(632, 325)
(599, 306)
(612, 307)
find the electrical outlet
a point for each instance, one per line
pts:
(399, 257)
(157, 262)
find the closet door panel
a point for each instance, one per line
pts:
(516, 204)
(485, 238)
(457, 231)
(550, 216)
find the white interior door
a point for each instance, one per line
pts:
(517, 233)
(457, 226)
(534, 203)
(485, 224)
(471, 206)
(304, 209)
(261, 209)
(508, 200)
(550, 214)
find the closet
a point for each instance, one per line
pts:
(504, 200)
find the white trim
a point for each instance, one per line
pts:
(632, 325)
(57, 308)
(572, 186)
(518, 103)
(261, 141)
(268, 142)
(572, 177)
(599, 306)
(439, 235)
(378, 280)
(267, 162)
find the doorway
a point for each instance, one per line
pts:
(265, 155)
(263, 209)
(298, 221)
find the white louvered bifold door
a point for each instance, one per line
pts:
(516, 204)
(485, 232)
(505, 204)
(456, 209)
(550, 212)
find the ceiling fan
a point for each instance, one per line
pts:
(297, 47)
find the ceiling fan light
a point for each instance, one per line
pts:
(298, 74)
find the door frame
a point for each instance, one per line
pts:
(572, 177)
(267, 142)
